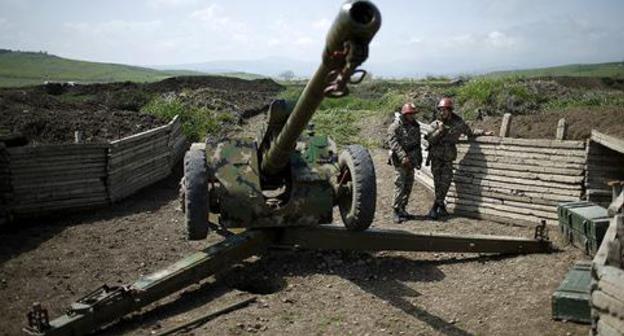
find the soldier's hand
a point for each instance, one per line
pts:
(406, 162)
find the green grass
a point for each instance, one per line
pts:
(340, 118)
(613, 70)
(197, 122)
(29, 68)
(587, 99)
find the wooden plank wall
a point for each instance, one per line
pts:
(517, 181)
(57, 177)
(39, 180)
(6, 193)
(605, 162)
(142, 159)
(607, 289)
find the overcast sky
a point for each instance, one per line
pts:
(431, 37)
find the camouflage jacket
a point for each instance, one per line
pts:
(443, 137)
(404, 141)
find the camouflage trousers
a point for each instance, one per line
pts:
(403, 182)
(442, 176)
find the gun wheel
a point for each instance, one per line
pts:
(358, 192)
(194, 192)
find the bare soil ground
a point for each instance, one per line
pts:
(106, 112)
(580, 122)
(56, 261)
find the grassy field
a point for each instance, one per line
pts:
(33, 68)
(613, 70)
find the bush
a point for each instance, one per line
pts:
(197, 122)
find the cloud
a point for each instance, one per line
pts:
(321, 24)
(113, 28)
(213, 17)
(168, 4)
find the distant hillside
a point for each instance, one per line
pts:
(31, 68)
(613, 70)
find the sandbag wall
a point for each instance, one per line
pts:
(49, 178)
(607, 289)
(517, 181)
(605, 163)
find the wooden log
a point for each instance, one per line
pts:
(462, 187)
(141, 137)
(521, 161)
(39, 208)
(545, 143)
(119, 181)
(54, 196)
(561, 129)
(475, 146)
(510, 217)
(518, 187)
(609, 326)
(56, 184)
(564, 174)
(139, 165)
(54, 170)
(55, 149)
(608, 141)
(120, 191)
(505, 125)
(548, 178)
(120, 162)
(501, 201)
(611, 305)
(484, 152)
(500, 207)
(158, 142)
(499, 178)
(506, 197)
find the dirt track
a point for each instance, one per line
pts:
(311, 293)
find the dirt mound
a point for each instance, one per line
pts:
(111, 111)
(543, 125)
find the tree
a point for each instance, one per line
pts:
(287, 75)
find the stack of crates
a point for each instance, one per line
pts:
(583, 224)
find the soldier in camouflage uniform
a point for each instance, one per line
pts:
(442, 138)
(405, 155)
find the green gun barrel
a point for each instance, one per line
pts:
(346, 48)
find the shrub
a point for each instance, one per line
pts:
(197, 122)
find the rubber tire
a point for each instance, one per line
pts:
(195, 186)
(358, 212)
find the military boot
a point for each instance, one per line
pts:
(433, 213)
(406, 215)
(397, 217)
(442, 210)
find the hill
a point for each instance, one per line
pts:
(30, 68)
(613, 70)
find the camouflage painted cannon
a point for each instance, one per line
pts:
(288, 176)
(279, 186)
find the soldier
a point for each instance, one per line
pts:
(405, 155)
(443, 136)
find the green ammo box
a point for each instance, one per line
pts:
(584, 224)
(570, 301)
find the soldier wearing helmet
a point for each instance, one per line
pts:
(442, 138)
(405, 155)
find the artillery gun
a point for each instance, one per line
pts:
(280, 187)
(285, 176)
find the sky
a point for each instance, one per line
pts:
(416, 37)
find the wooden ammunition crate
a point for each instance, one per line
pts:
(583, 224)
(570, 301)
